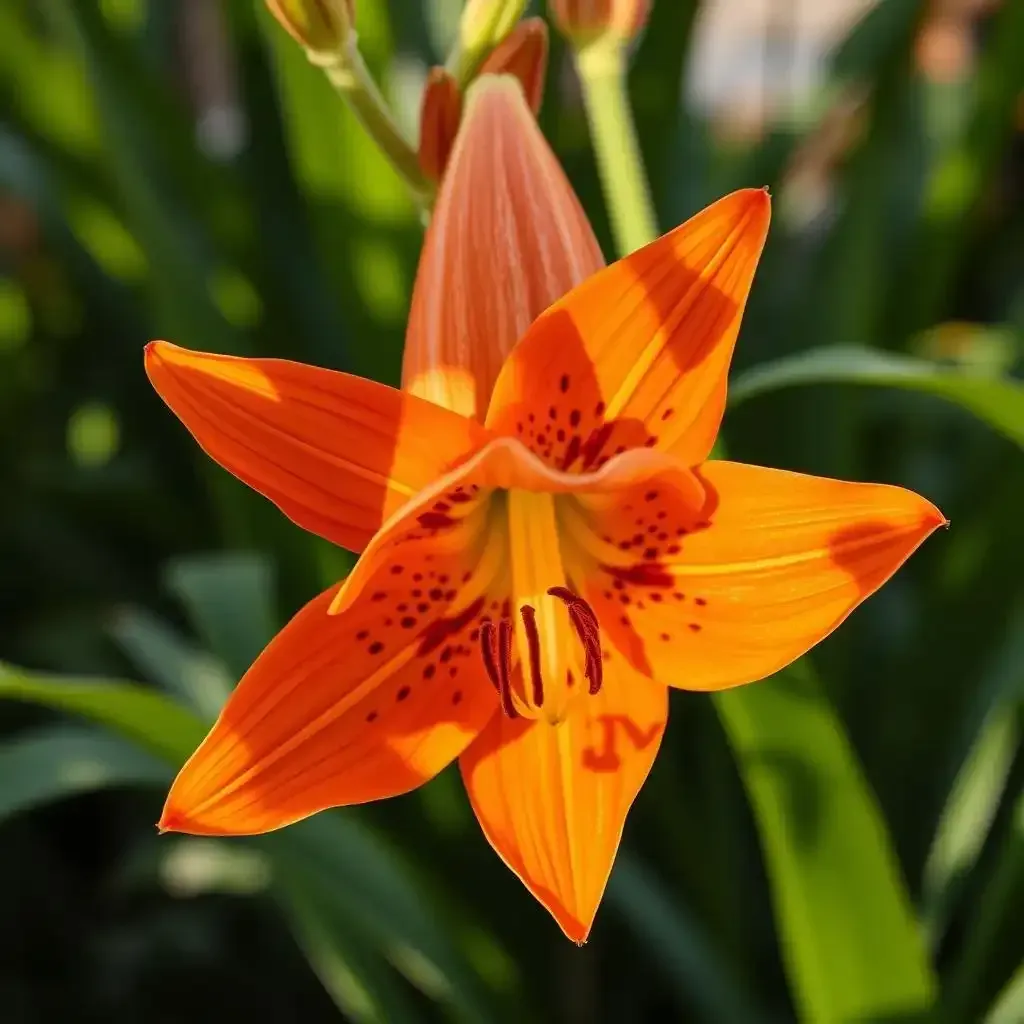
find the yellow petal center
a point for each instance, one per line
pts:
(545, 640)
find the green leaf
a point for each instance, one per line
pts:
(56, 762)
(229, 600)
(848, 935)
(992, 734)
(147, 718)
(678, 944)
(358, 979)
(989, 950)
(1009, 1007)
(346, 870)
(200, 680)
(998, 401)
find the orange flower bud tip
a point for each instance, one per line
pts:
(523, 54)
(584, 21)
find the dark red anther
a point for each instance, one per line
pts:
(529, 616)
(489, 651)
(496, 649)
(584, 621)
(505, 668)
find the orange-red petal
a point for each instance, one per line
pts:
(440, 112)
(639, 353)
(506, 239)
(552, 800)
(523, 53)
(771, 565)
(336, 453)
(346, 708)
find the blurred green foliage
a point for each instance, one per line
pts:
(843, 843)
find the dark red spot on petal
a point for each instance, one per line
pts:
(402, 693)
(376, 647)
(433, 521)
(441, 629)
(700, 601)
(695, 627)
(457, 697)
(408, 622)
(362, 634)
(563, 384)
(428, 671)
(372, 716)
(643, 574)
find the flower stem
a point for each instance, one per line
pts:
(602, 70)
(347, 72)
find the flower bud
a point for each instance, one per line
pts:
(583, 21)
(321, 26)
(524, 53)
(440, 114)
(484, 24)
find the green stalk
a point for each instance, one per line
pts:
(347, 72)
(602, 69)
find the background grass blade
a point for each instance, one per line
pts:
(999, 401)
(144, 717)
(51, 763)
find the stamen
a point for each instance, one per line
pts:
(496, 650)
(529, 616)
(584, 621)
(505, 668)
(489, 652)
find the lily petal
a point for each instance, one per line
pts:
(344, 709)
(639, 353)
(552, 800)
(771, 565)
(507, 238)
(437, 515)
(336, 453)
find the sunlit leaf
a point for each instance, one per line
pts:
(847, 930)
(147, 718)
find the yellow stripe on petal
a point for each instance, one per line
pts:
(639, 353)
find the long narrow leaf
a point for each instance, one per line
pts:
(56, 762)
(997, 401)
(849, 938)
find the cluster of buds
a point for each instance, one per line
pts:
(492, 40)
(522, 52)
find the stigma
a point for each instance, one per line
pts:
(528, 698)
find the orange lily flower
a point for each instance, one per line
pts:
(538, 567)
